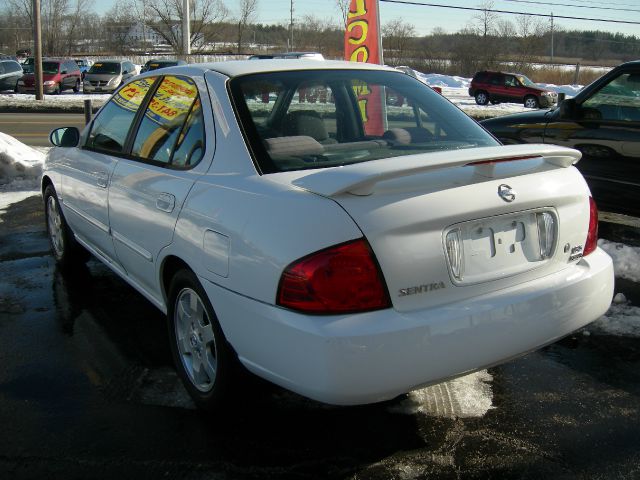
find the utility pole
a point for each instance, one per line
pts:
(186, 31)
(291, 28)
(37, 47)
(551, 37)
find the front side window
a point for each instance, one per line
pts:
(619, 100)
(110, 128)
(325, 118)
(173, 114)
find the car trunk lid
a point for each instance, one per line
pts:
(457, 224)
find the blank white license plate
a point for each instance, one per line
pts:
(499, 247)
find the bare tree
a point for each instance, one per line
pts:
(59, 21)
(247, 15)
(484, 21)
(204, 14)
(530, 33)
(397, 38)
(319, 34)
(117, 24)
(343, 6)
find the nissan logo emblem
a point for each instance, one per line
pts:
(506, 193)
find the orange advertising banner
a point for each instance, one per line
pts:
(362, 44)
(362, 34)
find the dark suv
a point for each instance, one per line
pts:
(496, 87)
(603, 122)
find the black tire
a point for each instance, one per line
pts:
(205, 362)
(65, 248)
(482, 97)
(76, 88)
(531, 101)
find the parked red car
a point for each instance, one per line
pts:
(496, 87)
(57, 75)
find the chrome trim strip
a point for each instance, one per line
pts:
(86, 217)
(132, 246)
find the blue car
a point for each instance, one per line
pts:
(84, 65)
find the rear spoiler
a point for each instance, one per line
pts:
(361, 178)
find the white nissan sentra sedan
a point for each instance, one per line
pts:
(339, 229)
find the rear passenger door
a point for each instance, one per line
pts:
(89, 169)
(149, 188)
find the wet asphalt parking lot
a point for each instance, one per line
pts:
(87, 391)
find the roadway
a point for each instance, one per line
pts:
(33, 128)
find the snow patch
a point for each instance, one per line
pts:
(626, 259)
(463, 397)
(622, 319)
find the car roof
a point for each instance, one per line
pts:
(238, 68)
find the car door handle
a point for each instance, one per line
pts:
(102, 179)
(165, 202)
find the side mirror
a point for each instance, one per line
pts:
(63, 72)
(568, 108)
(125, 72)
(65, 137)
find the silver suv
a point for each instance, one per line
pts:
(105, 76)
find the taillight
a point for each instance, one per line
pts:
(592, 237)
(340, 279)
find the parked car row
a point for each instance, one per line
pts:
(103, 76)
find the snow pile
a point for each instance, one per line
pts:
(438, 80)
(18, 162)
(626, 260)
(622, 319)
(20, 169)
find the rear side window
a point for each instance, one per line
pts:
(2, 68)
(111, 127)
(172, 123)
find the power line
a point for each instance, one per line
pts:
(476, 9)
(575, 6)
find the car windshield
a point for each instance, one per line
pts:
(325, 118)
(50, 67)
(156, 65)
(110, 68)
(526, 81)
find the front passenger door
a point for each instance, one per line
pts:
(88, 170)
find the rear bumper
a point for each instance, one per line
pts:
(371, 357)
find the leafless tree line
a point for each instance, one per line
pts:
(70, 27)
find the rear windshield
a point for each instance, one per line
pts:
(155, 65)
(109, 68)
(325, 118)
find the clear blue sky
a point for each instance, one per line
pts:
(426, 18)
